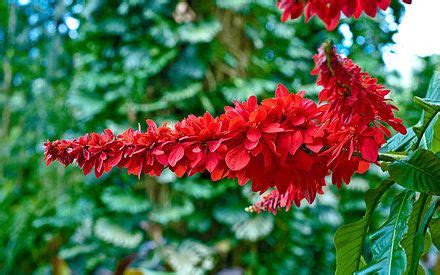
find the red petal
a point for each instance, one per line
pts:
(281, 91)
(176, 155)
(273, 128)
(369, 149)
(253, 134)
(363, 167)
(213, 145)
(211, 162)
(237, 158)
(297, 140)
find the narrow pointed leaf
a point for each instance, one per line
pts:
(420, 236)
(420, 171)
(349, 238)
(419, 210)
(388, 255)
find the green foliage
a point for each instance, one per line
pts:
(418, 241)
(190, 257)
(388, 255)
(414, 222)
(420, 171)
(427, 131)
(111, 232)
(253, 229)
(434, 227)
(162, 59)
(349, 238)
(417, 170)
(120, 200)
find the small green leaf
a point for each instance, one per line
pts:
(111, 232)
(120, 200)
(199, 32)
(388, 256)
(235, 5)
(420, 171)
(172, 213)
(349, 238)
(254, 228)
(424, 130)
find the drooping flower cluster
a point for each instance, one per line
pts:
(287, 143)
(330, 11)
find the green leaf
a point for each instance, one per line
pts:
(112, 233)
(399, 142)
(420, 171)
(349, 238)
(199, 32)
(235, 5)
(120, 200)
(388, 256)
(168, 99)
(434, 227)
(172, 213)
(419, 210)
(189, 257)
(254, 228)
(434, 87)
(420, 236)
(435, 142)
(423, 130)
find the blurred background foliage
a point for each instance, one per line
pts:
(70, 67)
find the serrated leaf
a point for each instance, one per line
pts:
(158, 63)
(182, 94)
(349, 238)
(72, 252)
(116, 235)
(254, 228)
(169, 98)
(120, 200)
(420, 172)
(190, 257)
(199, 32)
(419, 210)
(241, 90)
(388, 255)
(434, 227)
(172, 213)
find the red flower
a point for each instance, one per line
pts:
(329, 11)
(287, 143)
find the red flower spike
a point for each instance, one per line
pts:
(287, 143)
(329, 11)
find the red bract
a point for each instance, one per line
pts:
(287, 143)
(330, 11)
